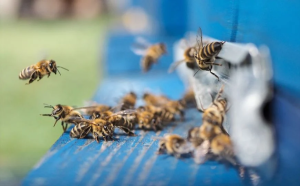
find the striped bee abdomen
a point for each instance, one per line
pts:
(77, 130)
(26, 72)
(147, 62)
(210, 50)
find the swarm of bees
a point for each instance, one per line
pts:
(210, 140)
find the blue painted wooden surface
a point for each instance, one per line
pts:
(132, 160)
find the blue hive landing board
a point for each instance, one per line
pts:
(128, 160)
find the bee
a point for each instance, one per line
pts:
(65, 113)
(206, 55)
(98, 108)
(176, 108)
(150, 52)
(174, 145)
(39, 70)
(169, 108)
(215, 113)
(188, 58)
(148, 120)
(98, 127)
(221, 146)
(155, 100)
(128, 101)
(124, 120)
(189, 98)
(80, 130)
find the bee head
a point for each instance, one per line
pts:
(133, 94)
(163, 48)
(58, 109)
(145, 96)
(95, 115)
(162, 147)
(52, 66)
(193, 133)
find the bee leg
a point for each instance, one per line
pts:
(56, 120)
(127, 131)
(40, 76)
(32, 78)
(95, 135)
(182, 115)
(48, 75)
(104, 136)
(64, 126)
(214, 74)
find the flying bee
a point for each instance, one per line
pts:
(39, 70)
(206, 55)
(174, 145)
(128, 101)
(150, 52)
(222, 147)
(65, 113)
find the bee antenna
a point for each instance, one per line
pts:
(62, 68)
(197, 71)
(58, 72)
(48, 106)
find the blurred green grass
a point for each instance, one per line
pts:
(25, 136)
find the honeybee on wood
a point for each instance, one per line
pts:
(222, 147)
(148, 120)
(65, 113)
(206, 55)
(96, 108)
(169, 108)
(174, 145)
(98, 127)
(215, 113)
(150, 52)
(189, 98)
(155, 100)
(80, 130)
(39, 70)
(128, 101)
(176, 107)
(124, 120)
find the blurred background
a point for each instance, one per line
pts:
(72, 32)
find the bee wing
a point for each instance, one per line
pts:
(201, 151)
(140, 46)
(78, 108)
(174, 65)
(199, 38)
(85, 131)
(125, 112)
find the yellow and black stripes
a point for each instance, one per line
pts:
(27, 72)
